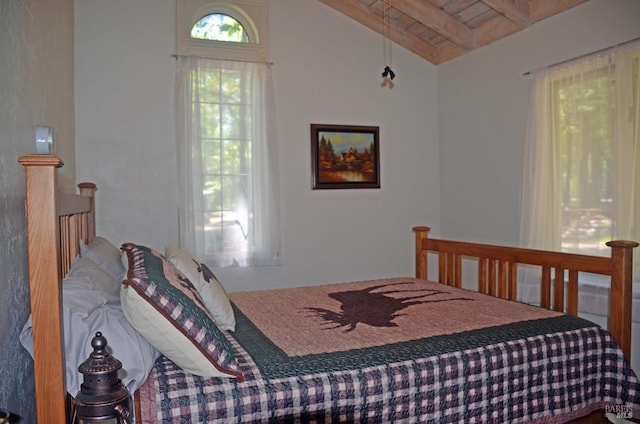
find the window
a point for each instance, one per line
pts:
(208, 28)
(585, 158)
(227, 159)
(219, 27)
(582, 165)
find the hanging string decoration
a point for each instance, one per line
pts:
(387, 74)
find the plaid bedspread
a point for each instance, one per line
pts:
(552, 370)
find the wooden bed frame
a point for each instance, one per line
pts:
(57, 222)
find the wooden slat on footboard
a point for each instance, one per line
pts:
(497, 275)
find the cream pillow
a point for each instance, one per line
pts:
(212, 292)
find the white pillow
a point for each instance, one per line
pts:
(89, 304)
(203, 279)
(85, 273)
(104, 254)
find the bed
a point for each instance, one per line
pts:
(403, 349)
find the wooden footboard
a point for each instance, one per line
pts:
(56, 222)
(498, 274)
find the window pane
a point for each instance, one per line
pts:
(209, 85)
(210, 125)
(236, 158)
(212, 193)
(235, 121)
(219, 27)
(585, 113)
(227, 224)
(233, 87)
(212, 157)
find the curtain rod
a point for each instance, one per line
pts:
(176, 56)
(533, 71)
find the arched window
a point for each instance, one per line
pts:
(223, 29)
(219, 27)
(226, 151)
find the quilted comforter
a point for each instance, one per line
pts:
(399, 351)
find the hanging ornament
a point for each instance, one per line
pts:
(387, 74)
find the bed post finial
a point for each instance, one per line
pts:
(422, 234)
(621, 288)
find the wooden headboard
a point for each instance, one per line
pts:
(56, 223)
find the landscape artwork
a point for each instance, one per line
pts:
(345, 156)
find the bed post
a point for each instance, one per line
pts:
(45, 286)
(621, 294)
(422, 234)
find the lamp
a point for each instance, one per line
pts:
(102, 397)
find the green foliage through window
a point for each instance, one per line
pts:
(585, 113)
(219, 27)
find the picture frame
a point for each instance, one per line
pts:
(345, 156)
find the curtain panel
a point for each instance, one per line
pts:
(227, 162)
(581, 170)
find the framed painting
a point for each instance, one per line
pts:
(345, 156)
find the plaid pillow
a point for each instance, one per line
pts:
(165, 307)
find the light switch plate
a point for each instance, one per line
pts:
(44, 140)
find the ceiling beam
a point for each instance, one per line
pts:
(360, 13)
(516, 11)
(540, 9)
(495, 29)
(438, 20)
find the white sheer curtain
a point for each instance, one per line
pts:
(581, 173)
(227, 161)
(627, 147)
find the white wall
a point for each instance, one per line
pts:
(326, 70)
(124, 77)
(482, 113)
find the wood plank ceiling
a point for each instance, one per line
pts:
(440, 30)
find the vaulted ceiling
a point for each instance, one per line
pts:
(440, 30)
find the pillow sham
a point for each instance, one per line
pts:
(163, 305)
(104, 254)
(91, 303)
(207, 284)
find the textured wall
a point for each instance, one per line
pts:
(36, 88)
